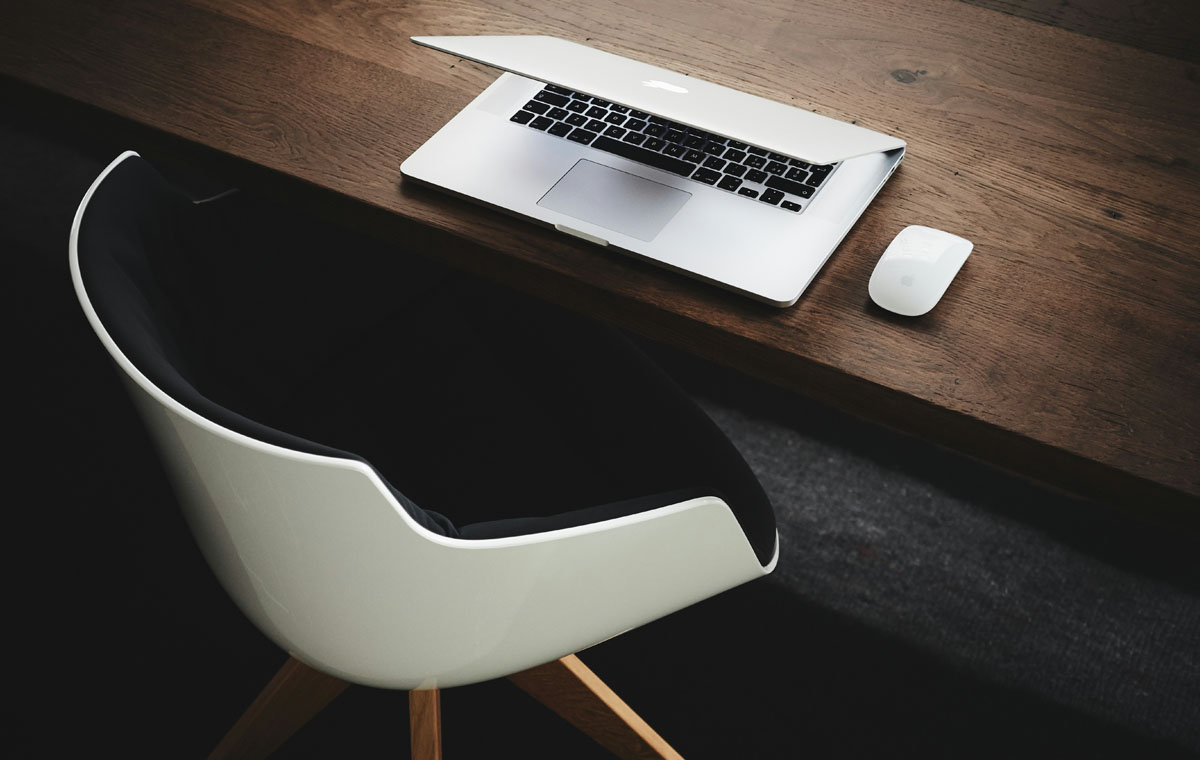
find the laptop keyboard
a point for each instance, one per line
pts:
(748, 171)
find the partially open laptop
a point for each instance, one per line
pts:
(738, 190)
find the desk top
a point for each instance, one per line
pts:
(1063, 145)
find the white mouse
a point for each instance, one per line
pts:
(915, 270)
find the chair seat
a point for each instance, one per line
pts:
(523, 418)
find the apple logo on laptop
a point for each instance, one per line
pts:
(658, 83)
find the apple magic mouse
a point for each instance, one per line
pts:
(915, 270)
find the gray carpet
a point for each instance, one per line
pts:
(1049, 595)
(924, 605)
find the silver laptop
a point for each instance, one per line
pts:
(737, 190)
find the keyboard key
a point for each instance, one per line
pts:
(601, 103)
(637, 138)
(714, 148)
(654, 143)
(797, 175)
(778, 157)
(522, 117)
(788, 186)
(712, 162)
(674, 135)
(658, 120)
(674, 149)
(774, 167)
(790, 206)
(541, 122)
(578, 106)
(582, 136)
(733, 154)
(755, 162)
(654, 130)
(693, 141)
(615, 118)
(736, 170)
(708, 176)
(717, 140)
(798, 163)
(615, 132)
(577, 120)
(552, 98)
(729, 183)
(596, 112)
(639, 115)
(619, 109)
(737, 145)
(756, 151)
(536, 107)
(756, 175)
(581, 96)
(641, 155)
(819, 173)
(771, 196)
(558, 113)
(559, 90)
(748, 192)
(560, 129)
(694, 156)
(595, 125)
(635, 123)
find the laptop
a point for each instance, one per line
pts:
(740, 191)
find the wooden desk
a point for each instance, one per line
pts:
(1068, 349)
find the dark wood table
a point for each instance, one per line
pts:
(1062, 140)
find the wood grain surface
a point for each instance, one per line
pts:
(1067, 349)
(425, 724)
(1169, 27)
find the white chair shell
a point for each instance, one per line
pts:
(317, 552)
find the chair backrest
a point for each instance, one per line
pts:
(329, 561)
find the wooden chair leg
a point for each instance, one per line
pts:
(291, 699)
(425, 722)
(571, 689)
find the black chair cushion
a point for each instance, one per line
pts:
(506, 414)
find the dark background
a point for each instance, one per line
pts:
(924, 604)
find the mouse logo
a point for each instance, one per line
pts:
(661, 85)
(907, 280)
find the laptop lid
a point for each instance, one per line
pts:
(694, 102)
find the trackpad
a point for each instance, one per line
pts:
(615, 200)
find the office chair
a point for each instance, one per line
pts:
(329, 543)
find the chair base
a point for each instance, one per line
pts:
(571, 689)
(297, 693)
(290, 700)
